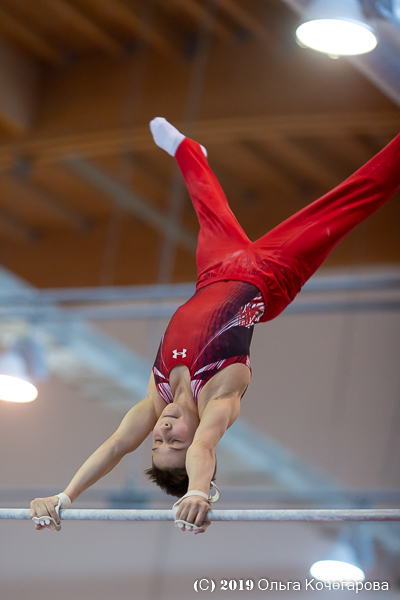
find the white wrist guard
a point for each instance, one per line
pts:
(191, 526)
(64, 501)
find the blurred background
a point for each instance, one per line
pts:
(97, 249)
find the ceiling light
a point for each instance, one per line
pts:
(23, 362)
(337, 28)
(15, 383)
(341, 566)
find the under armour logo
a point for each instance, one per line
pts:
(175, 353)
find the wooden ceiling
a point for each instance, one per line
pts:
(84, 193)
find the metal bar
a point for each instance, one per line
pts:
(385, 280)
(116, 293)
(317, 515)
(162, 311)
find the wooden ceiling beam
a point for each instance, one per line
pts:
(51, 203)
(302, 162)
(245, 20)
(198, 13)
(221, 131)
(49, 149)
(261, 167)
(17, 32)
(117, 12)
(85, 26)
(130, 201)
(355, 150)
(13, 227)
(19, 82)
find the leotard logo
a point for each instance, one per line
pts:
(175, 353)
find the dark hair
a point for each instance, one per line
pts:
(174, 482)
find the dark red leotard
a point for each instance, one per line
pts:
(278, 264)
(208, 333)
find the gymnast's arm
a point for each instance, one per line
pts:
(133, 430)
(218, 416)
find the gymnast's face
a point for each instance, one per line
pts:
(172, 435)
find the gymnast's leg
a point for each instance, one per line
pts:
(220, 233)
(293, 251)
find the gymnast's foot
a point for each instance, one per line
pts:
(166, 136)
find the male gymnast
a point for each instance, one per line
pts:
(202, 368)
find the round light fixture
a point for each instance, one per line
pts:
(340, 565)
(15, 383)
(336, 28)
(13, 389)
(336, 570)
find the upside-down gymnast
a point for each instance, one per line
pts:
(202, 367)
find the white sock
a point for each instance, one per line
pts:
(166, 136)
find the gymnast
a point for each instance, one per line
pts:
(202, 368)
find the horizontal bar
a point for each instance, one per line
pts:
(217, 515)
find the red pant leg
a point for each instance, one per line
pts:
(220, 235)
(289, 254)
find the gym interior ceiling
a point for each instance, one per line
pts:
(81, 182)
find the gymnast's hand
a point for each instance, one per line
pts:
(193, 510)
(45, 507)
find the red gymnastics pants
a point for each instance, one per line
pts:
(280, 262)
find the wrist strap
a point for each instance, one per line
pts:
(191, 526)
(207, 497)
(64, 501)
(217, 494)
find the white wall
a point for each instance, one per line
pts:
(325, 386)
